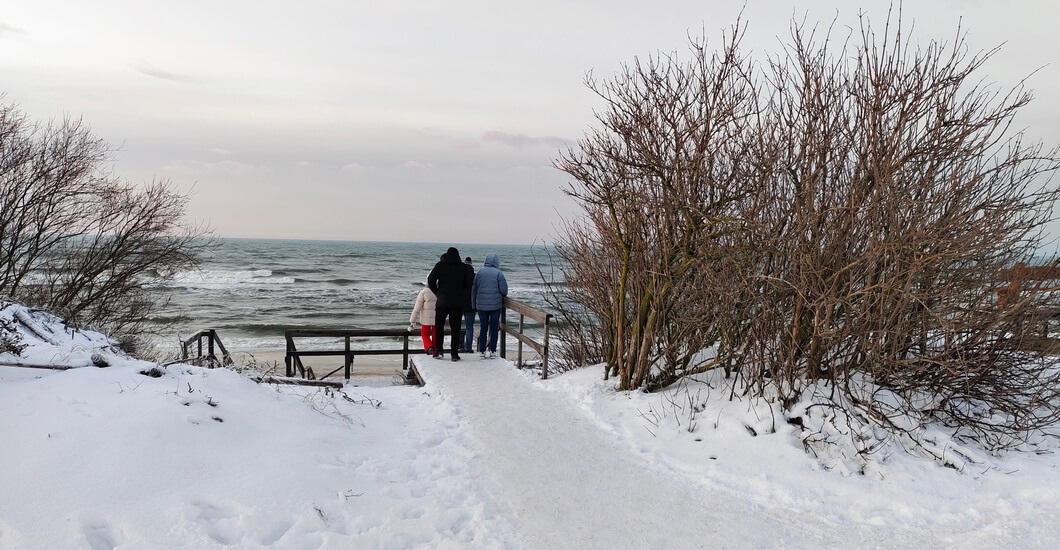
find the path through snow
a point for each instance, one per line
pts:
(554, 499)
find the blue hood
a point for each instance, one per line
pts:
(492, 260)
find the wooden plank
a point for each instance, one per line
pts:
(1026, 272)
(353, 353)
(342, 333)
(297, 382)
(525, 309)
(540, 349)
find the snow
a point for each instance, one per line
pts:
(484, 455)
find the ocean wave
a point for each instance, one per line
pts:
(220, 278)
(342, 282)
(253, 290)
(296, 272)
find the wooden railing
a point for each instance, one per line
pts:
(524, 311)
(1023, 278)
(293, 358)
(210, 358)
(295, 366)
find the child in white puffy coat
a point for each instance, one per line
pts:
(423, 313)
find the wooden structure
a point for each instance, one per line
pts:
(293, 359)
(1022, 278)
(210, 359)
(518, 333)
(294, 353)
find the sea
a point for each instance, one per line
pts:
(251, 290)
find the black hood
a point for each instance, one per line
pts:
(452, 256)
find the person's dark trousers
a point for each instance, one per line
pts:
(455, 315)
(469, 330)
(489, 322)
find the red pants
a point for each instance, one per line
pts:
(427, 333)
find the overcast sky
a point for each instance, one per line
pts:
(403, 120)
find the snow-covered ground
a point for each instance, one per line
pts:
(483, 456)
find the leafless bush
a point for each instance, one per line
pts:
(75, 239)
(845, 208)
(898, 199)
(578, 331)
(659, 183)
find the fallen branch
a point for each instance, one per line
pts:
(297, 382)
(32, 325)
(37, 366)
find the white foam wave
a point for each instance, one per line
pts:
(221, 279)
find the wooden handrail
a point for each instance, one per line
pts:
(213, 340)
(293, 358)
(525, 310)
(1020, 274)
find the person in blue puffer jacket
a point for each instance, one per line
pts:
(487, 297)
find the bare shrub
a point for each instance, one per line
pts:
(658, 183)
(75, 239)
(846, 208)
(898, 201)
(578, 331)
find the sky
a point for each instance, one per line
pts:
(403, 120)
(483, 455)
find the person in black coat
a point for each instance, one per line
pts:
(450, 281)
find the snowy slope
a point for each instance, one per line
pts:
(483, 456)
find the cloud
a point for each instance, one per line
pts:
(521, 141)
(352, 167)
(413, 164)
(230, 167)
(146, 68)
(304, 164)
(219, 151)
